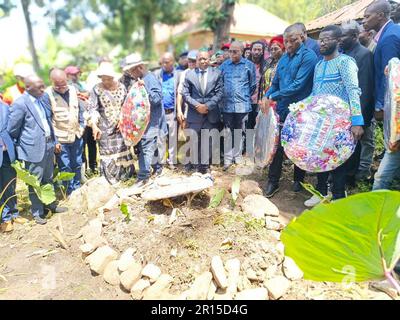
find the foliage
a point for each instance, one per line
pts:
(310, 188)
(217, 199)
(125, 211)
(300, 10)
(2, 192)
(357, 238)
(45, 193)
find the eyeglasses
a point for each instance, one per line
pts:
(326, 40)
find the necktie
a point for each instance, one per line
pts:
(202, 81)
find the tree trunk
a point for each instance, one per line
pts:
(125, 39)
(148, 23)
(32, 48)
(222, 31)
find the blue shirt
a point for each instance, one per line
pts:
(239, 85)
(293, 80)
(339, 77)
(168, 90)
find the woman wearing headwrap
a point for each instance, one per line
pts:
(104, 108)
(277, 49)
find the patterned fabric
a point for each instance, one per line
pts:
(392, 103)
(269, 75)
(339, 77)
(135, 114)
(115, 157)
(239, 85)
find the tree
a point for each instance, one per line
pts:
(32, 47)
(219, 20)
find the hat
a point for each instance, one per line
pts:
(219, 53)
(23, 70)
(278, 40)
(183, 54)
(226, 46)
(133, 60)
(72, 70)
(106, 69)
(193, 54)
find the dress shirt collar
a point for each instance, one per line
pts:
(379, 34)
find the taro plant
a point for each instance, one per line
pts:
(45, 192)
(59, 180)
(356, 239)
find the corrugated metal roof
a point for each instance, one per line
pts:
(248, 19)
(352, 11)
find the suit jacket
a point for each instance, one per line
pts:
(26, 128)
(193, 95)
(4, 136)
(365, 63)
(387, 48)
(177, 75)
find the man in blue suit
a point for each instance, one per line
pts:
(203, 91)
(377, 17)
(31, 127)
(7, 174)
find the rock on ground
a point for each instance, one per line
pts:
(131, 275)
(259, 207)
(217, 269)
(249, 187)
(233, 268)
(152, 272)
(111, 274)
(126, 259)
(277, 287)
(253, 294)
(200, 287)
(99, 259)
(99, 192)
(159, 288)
(291, 270)
(138, 288)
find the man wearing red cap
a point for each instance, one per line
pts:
(73, 73)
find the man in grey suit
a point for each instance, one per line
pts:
(30, 125)
(203, 91)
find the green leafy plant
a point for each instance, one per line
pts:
(217, 199)
(45, 193)
(356, 239)
(125, 211)
(60, 178)
(310, 188)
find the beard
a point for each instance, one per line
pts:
(328, 51)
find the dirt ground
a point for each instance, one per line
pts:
(33, 265)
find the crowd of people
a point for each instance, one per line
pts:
(206, 91)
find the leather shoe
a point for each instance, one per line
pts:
(40, 220)
(271, 189)
(60, 210)
(297, 187)
(20, 220)
(6, 226)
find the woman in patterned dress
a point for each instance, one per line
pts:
(105, 103)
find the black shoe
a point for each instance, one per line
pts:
(40, 220)
(297, 187)
(226, 167)
(204, 170)
(189, 168)
(60, 210)
(271, 189)
(141, 183)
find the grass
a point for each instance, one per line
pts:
(249, 223)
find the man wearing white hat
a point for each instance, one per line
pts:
(136, 68)
(21, 71)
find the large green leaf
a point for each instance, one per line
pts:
(217, 199)
(45, 193)
(64, 176)
(347, 238)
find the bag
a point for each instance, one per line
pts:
(266, 137)
(135, 115)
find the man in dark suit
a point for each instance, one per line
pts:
(7, 174)
(30, 125)
(361, 161)
(377, 17)
(203, 91)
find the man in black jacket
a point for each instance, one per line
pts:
(203, 92)
(362, 158)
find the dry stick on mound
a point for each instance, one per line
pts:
(57, 235)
